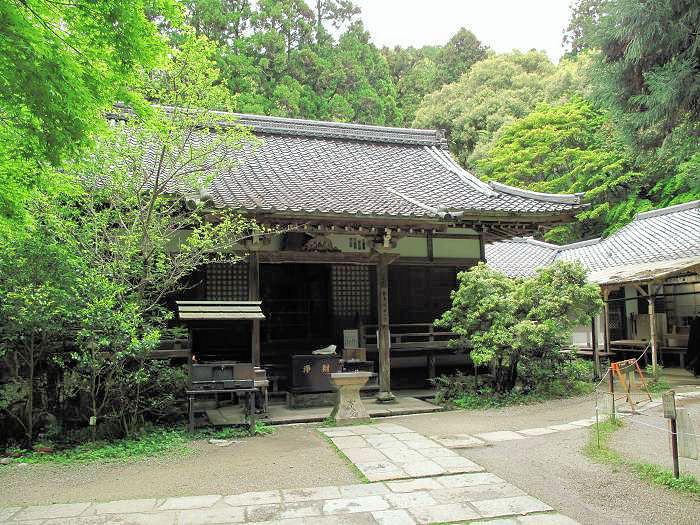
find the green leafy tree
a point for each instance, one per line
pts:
(568, 148)
(648, 66)
(417, 72)
(494, 92)
(514, 323)
(37, 306)
(61, 65)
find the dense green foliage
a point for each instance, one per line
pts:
(61, 65)
(87, 229)
(567, 148)
(494, 92)
(519, 326)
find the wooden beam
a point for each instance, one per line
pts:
(254, 295)
(429, 239)
(383, 335)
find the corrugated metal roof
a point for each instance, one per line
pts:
(666, 234)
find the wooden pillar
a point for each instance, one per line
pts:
(383, 335)
(652, 328)
(594, 347)
(254, 295)
(606, 313)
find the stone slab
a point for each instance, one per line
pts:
(337, 433)
(500, 435)
(409, 436)
(301, 509)
(427, 467)
(365, 455)
(444, 513)
(393, 517)
(438, 452)
(566, 426)
(61, 510)
(406, 500)
(7, 512)
(492, 508)
(391, 428)
(402, 455)
(349, 442)
(383, 440)
(414, 484)
(125, 506)
(254, 498)
(367, 430)
(459, 441)
(310, 494)
(536, 431)
(469, 480)
(263, 512)
(189, 502)
(212, 516)
(583, 422)
(546, 519)
(351, 505)
(458, 465)
(367, 489)
(476, 493)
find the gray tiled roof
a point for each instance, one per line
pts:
(320, 168)
(658, 235)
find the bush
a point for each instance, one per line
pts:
(567, 377)
(520, 326)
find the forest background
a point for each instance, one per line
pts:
(616, 119)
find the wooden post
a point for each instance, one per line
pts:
(594, 345)
(383, 335)
(606, 328)
(652, 329)
(669, 406)
(254, 295)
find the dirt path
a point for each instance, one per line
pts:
(553, 469)
(645, 438)
(509, 418)
(292, 457)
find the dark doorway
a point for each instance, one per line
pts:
(296, 301)
(419, 294)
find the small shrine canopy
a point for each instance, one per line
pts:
(645, 272)
(219, 310)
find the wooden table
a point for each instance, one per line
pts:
(249, 394)
(630, 346)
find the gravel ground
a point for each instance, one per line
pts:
(508, 418)
(640, 442)
(292, 457)
(553, 469)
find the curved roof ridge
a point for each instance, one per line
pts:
(580, 244)
(565, 198)
(535, 242)
(446, 160)
(314, 128)
(670, 209)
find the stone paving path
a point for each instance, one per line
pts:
(416, 481)
(487, 438)
(438, 499)
(387, 451)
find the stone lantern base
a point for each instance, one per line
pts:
(348, 406)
